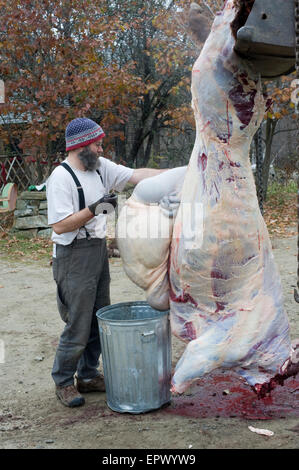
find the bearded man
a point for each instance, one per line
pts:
(76, 211)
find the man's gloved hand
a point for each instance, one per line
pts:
(170, 204)
(105, 205)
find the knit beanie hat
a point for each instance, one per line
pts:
(81, 132)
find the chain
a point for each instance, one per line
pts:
(296, 292)
(259, 169)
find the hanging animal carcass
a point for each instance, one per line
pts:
(213, 264)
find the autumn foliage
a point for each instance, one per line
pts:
(62, 59)
(125, 65)
(52, 62)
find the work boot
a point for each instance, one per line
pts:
(69, 396)
(96, 384)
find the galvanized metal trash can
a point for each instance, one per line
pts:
(136, 353)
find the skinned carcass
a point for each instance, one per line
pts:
(214, 265)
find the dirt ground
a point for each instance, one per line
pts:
(215, 413)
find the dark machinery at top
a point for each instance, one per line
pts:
(267, 39)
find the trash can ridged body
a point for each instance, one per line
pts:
(136, 353)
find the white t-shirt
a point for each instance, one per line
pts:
(63, 198)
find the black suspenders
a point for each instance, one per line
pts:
(80, 190)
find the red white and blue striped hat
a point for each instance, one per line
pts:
(81, 132)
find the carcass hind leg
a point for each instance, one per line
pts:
(201, 356)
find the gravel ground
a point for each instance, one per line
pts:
(215, 413)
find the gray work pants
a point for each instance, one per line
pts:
(81, 272)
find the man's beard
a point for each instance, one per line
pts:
(89, 159)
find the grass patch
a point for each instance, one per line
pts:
(282, 192)
(20, 249)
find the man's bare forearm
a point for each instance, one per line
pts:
(73, 222)
(142, 173)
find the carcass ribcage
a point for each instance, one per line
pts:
(225, 291)
(144, 232)
(143, 239)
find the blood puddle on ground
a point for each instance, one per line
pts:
(225, 395)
